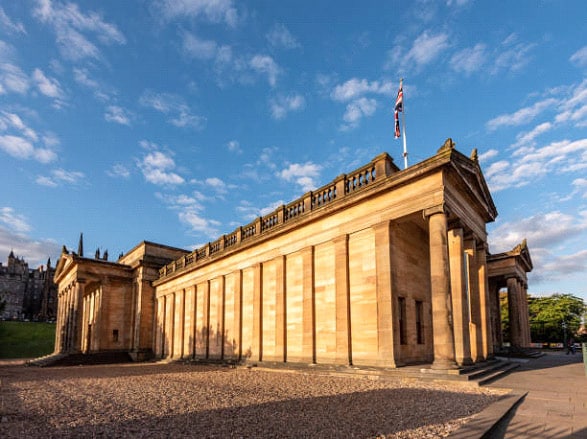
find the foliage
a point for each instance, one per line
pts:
(547, 315)
(26, 339)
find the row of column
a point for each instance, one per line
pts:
(518, 313)
(69, 319)
(460, 295)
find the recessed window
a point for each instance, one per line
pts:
(115, 335)
(403, 336)
(420, 321)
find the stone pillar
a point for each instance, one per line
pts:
(475, 326)
(514, 313)
(385, 345)
(485, 303)
(460, 299)
(308, 307)
(444, 348)
(343, 309)
(526, 335)
(257, 354)
(238, 312)
(280, 310)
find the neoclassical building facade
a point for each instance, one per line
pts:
(380, 267)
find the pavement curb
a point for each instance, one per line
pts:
(484, 422)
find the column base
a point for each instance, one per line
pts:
(444, 365)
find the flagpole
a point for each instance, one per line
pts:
(404, 126)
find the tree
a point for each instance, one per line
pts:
(553, 317)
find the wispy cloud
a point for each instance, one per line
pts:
(358, 106)
(73, 28)
(49, 87)
(117, 115)
(60, 177)
(22, 142)
(215, 11)
(304, 175)
(279, 36)
(158, 167)
(177, 111)
(580, 57)
(13, 220)
(425, 48)
(522, 116)
(266, 65)
(470, 60)
(13, 79)
(9, 26)
(282, 105)
(544, 232)
(118, 170)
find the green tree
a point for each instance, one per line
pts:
(553, 317)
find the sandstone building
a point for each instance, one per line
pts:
(380, 267)
(27, 293)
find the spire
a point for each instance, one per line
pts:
(80, 246)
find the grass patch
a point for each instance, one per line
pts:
(26, 339)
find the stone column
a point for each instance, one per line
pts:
(257, 354)
(526, 335)
(308, 307)
(343, 310)
(444, 348)
(514, 313)
(385, 345)
(280, 309)
(460, 299)
(487, 336)
(475, 326)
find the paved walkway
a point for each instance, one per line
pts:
(555, 401)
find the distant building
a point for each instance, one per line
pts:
(27, 293)
(379, 267)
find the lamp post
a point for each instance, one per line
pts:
(564, 334)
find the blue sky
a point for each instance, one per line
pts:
(176, 121)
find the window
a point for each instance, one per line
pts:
(403, 336)
(115, 335)
(420, 322)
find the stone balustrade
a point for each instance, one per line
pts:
(343, 186)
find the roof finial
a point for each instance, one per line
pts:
(80, 246)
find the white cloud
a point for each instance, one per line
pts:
(265, 64)
(178, 112)
(13, 79)
(9, 26)
(49, 87)
(356, 110)
(215, 11)
(510, 56)
(34, 251)
(158, 168)
(355, 88)
(118, 170)
(305, 175)
(199, 224)
(234, 146)
(70, 25)
(580, 185)
(282, 105)
(522, 116)
(542, 230)
(201, 49)
(280, 36)
(117, 114)
(19, 140)
(580, 57)
(13, 220)
(528, 138)
(425, 49)
(469, 60)
(489, 154)
(59, 177)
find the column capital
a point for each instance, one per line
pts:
(434, 210)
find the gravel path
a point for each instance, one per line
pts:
(178, 400)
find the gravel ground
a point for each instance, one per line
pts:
(179, 400)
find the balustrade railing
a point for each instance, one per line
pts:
(379, 168)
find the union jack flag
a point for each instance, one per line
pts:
(399, 106)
